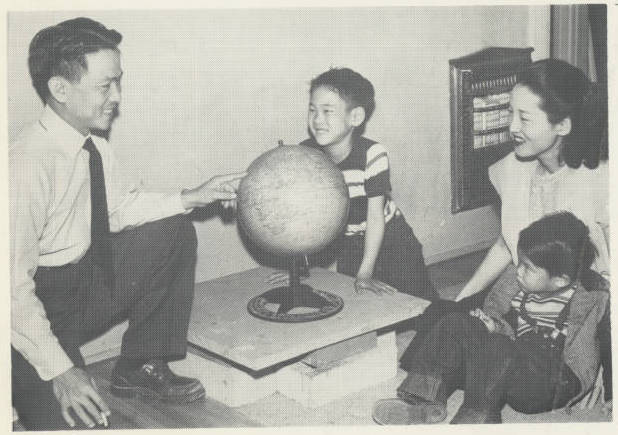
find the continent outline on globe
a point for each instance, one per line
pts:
(293, 201)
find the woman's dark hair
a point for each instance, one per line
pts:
(565, 91)
(352, 87)
(559, 243)
(61, 50)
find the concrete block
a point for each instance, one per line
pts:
(230, 385)
(313, 387)
(326, 356)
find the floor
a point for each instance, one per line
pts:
(278, 410)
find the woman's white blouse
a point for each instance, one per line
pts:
(527, 196)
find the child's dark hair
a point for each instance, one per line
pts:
(565, 91)
(60, 50)
(352, 87)
(559, 243)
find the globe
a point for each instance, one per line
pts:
(293, 201)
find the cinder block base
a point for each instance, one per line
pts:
(223, 382)
(313, 387)
(307, 385)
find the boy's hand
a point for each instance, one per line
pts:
(281, 278)
(488, 321)
(378, 287)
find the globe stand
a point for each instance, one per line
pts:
(310, 304)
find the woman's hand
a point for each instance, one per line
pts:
(488, 321)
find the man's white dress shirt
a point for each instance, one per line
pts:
(50, 222)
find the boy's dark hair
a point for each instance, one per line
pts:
(559, 243)
(352, 87)
(61, 50)
(565, 91)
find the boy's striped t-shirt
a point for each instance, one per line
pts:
(367, 174)
(544, 309)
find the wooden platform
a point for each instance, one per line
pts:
(241, 358)
(221, 324)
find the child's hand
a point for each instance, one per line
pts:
(373, 285)
(488, 321)
(281, 278)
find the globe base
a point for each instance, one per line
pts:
(295, 304)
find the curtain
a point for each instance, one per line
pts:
(573, 37)
(597, 16)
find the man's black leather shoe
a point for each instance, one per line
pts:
(155, 380)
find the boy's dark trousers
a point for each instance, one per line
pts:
(492, 369)
(154, 270)
(400, 262)
(424, 323)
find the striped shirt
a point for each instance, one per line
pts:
(367, 174)
(544, 309)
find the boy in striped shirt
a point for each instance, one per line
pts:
(378, 248)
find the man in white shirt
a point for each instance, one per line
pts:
(88, 250)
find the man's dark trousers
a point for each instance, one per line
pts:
(154, 275)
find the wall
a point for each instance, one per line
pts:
(207, 91)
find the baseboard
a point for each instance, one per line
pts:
(458, 252)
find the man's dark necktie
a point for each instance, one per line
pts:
(99, 224)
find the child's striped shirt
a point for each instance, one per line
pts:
(542, 308)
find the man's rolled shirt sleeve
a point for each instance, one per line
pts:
(130, 206)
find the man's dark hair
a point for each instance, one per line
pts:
(352, 87)
(559, 243)
(61, 50)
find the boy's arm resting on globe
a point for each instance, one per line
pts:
(373, 242)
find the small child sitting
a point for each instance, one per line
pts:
(533, 346)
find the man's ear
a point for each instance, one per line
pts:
(561, 281)
(58, 88)
(563, 128)
(357, 116)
